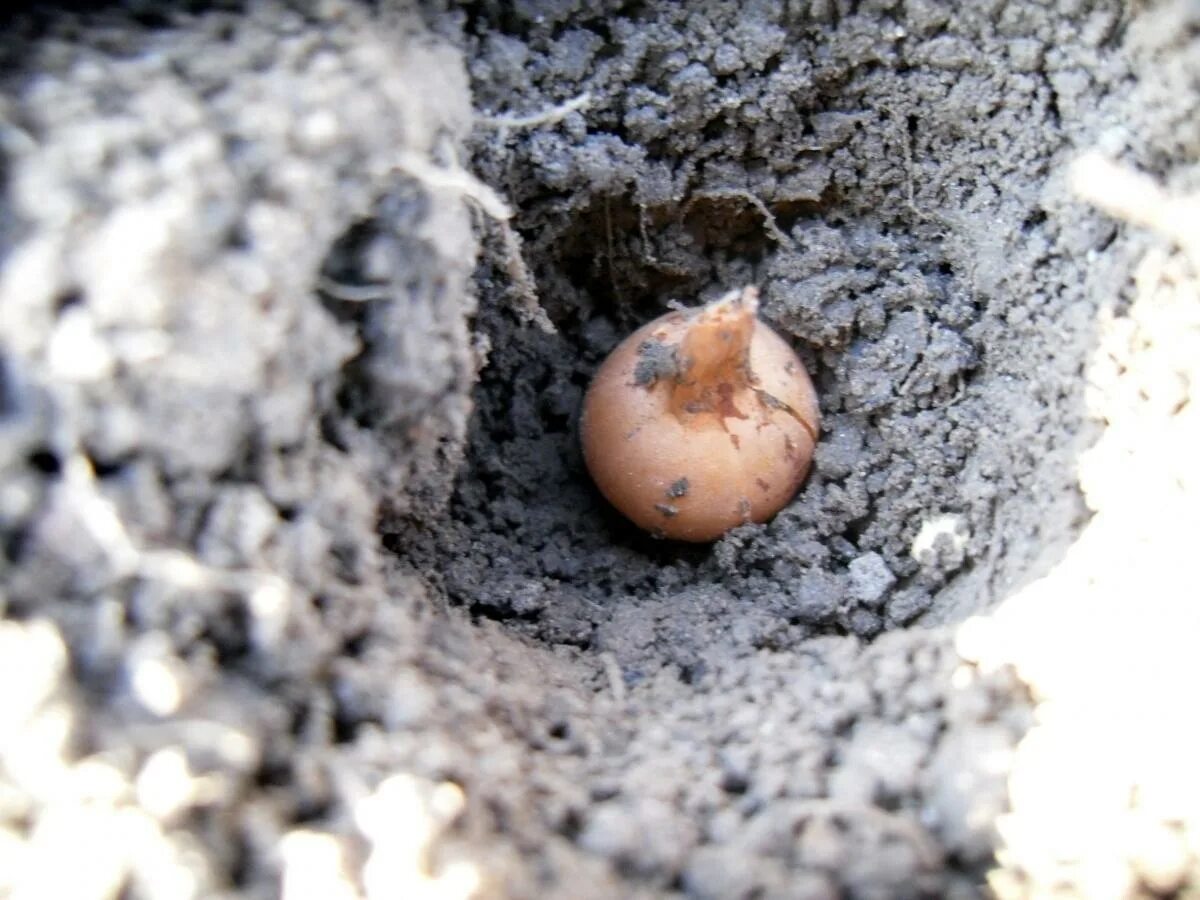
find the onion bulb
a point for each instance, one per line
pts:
(700, 421)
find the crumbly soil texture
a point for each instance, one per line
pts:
(298, 305)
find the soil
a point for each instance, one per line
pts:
(298, 303)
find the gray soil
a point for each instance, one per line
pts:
(288, 411)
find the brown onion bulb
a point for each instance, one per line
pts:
(701, 421)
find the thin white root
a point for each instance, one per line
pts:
(1138, 199)
(457, 179)
(266, 592)
(351, 293)
(616, 681)
(895, 824)
(551, 116)
(772, 227)
(514, 261)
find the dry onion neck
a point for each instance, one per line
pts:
(714, 357)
